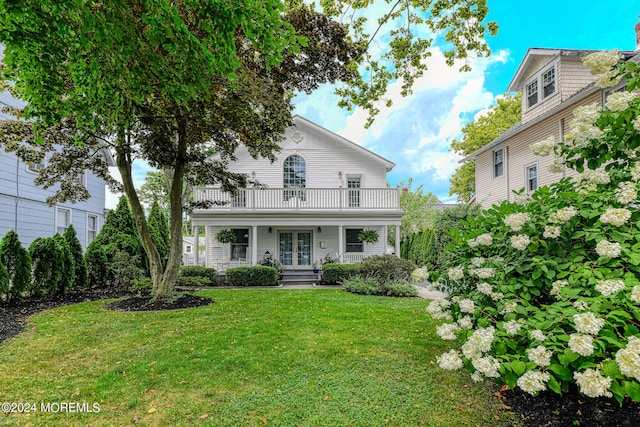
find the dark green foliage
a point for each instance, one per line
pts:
(47, 266)
(335, 274)
(196, 281)
(4, 281)
(258, 275)
(124, 268)
(97, 269)
(363, 285)
(68, 275)
(386, 268)
(70, 236)
(159, 230)
(399, 288)
(142, 286)
(17, 264)
(212, 276)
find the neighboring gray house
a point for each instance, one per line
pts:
(23, 206)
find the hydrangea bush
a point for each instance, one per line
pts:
(545, 291)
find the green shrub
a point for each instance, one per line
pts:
(68, 275)
(4, 281)
(142, 286)
(197, 281)
(363, 285)
(211, 274)
(387, 268)
(258, 275)
(398, 288)
(97, 268)
(124, 268)
(47, 266)
(80, 280)
(17, 263)
(335, 274)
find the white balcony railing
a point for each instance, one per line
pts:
(301, 198)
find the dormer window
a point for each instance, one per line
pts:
(545, 80)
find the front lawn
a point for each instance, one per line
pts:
(320, 357)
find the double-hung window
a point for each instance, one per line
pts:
(532, 93)
(239, 247)
(63, 220)
(294, 177)
(531, 177)
(92, 227)
(353, 243)
(541, 87)
(498, 162)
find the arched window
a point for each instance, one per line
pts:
(294, 175)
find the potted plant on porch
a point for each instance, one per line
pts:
(369, 236)
(226, 236)
(316, 266)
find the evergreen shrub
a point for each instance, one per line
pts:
(335, 274)
(17, 263)
(386, 268)
(211, 274)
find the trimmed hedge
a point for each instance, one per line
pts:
(196, 281)
(387, 268)
(257, 275)
(335, 274)
(17, 262)
(211, 274)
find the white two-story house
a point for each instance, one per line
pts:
(321, 192)
(553, 82)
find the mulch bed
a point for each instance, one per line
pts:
(546, 410)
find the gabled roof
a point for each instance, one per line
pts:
(299, 120)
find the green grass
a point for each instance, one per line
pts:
(321, 357)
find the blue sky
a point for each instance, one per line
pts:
(416, 131)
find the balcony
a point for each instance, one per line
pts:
(251, 199)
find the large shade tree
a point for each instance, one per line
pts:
(172, 82)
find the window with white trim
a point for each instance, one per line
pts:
(239, 247)
(294, 175)
(541, 86)
(35, 167)
(188, 249)
(549, 82)
(92, 227)
(498, 162)
(531, 177)
(353, 184)
(63, 220)
(353, 243)
(532, 93)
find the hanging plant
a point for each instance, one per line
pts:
(226, 236)
(368, 236)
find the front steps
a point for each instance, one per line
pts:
(300, 277)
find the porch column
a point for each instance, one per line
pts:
(254, 245)
(340, 242)
(196, 243)
(397, 241)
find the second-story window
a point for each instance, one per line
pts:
(532, 93)
(541, 87)
(498, 162)
(549, 82)
(353, 184)
(294, 176)
(531, 178)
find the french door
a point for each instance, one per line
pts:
(295, 248)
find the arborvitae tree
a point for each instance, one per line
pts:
(96, 260)
(71, 237)
(4, 280)
(47, 267)
(68, 276)
(159, 229)
(17, 262)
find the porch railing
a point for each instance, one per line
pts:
(301, 198)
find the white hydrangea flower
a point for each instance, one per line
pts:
(601, 62)
(595, 177)
(581, 344)
(592, 383)
(539, 355)
(619, 101)
(450, 361)
(557, 286)
(477, 377)
(487, 365)
(455, 273)
(520, 242)
(484, 288)
(610, 249)
(626, 192)
(516, 220)
(608, 79)
(635, 294)
(538, 335)
(545, 147)
(580, 305)
(609, 286)
(581, 128)
(447, 331)
(438, 308)
(465, 322)
(628, 359)
(497, 296)
(484, 239)
(522, 199)
(420, 274)
(477, 261)
(635, 171)
(615, 216)
(551, 232)
(588, 323)
(636, 124)
(485, 272)
(557, 166)
(510, 307)
(478, 343)
(563, 215)
(512, 327)
(533, 382)
(467, 305)
(472, 243)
